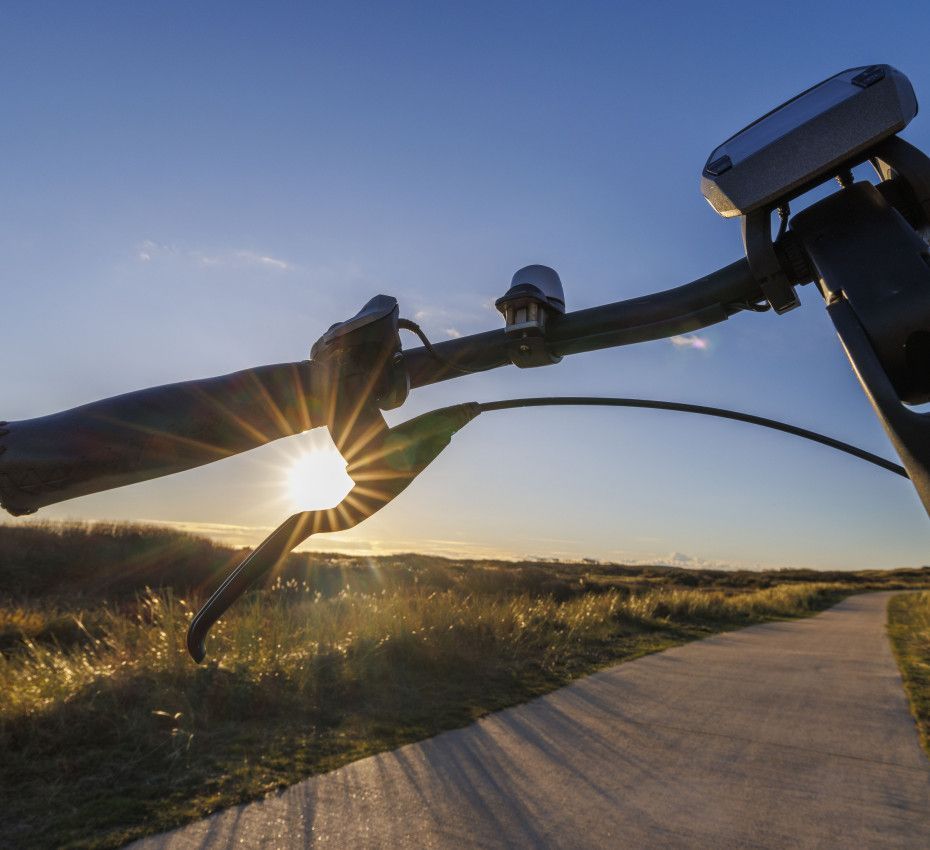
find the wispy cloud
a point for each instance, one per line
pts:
(149, 251)
(232, 535)
(675, 559)
(451, 321)
(690, 341)
(681, 559)
(242, 258)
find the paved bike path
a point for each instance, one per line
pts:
(791, 734)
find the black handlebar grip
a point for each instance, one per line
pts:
(150, 433)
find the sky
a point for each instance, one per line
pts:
(192, 189)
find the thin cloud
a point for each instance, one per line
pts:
(450, 321)
(149, 251)
(231, 535)
(675, 559)
(691, 562)
(239, 259)
(690, 341)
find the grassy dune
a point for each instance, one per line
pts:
(110, 732)
(909, 629)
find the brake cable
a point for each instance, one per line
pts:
(680, 407)
(700, 409)
(413, 327)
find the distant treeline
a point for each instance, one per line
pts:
(113, 560)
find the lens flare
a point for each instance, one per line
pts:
(317, 478)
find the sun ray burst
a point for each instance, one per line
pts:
(317, 478)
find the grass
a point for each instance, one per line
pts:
(110, 732)
(909, 630)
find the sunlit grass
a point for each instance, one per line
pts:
(909, 629)
(282, 632)
(116, 732)
(109, 731)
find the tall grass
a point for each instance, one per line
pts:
(909, 630)
(301, 638)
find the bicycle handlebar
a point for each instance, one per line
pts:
(159, 431)
(703, 302)
(150, 433)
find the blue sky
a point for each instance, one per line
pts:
(191, 189)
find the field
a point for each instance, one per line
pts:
(110, 731)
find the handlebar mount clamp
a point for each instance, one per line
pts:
(534, 297)
(765, 263)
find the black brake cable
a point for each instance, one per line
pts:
(680, 407)
(410, 325)
(703, 410)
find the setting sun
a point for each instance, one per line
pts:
(317, 478)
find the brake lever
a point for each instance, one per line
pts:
(383, 465)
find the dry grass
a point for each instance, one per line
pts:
(117, 733)
(909, 629)
(285, 633)
(110, 732)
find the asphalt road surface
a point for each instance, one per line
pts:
(782, 735)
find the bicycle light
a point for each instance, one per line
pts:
(535, 294)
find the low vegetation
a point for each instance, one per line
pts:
(109, 731)
(909, 629)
